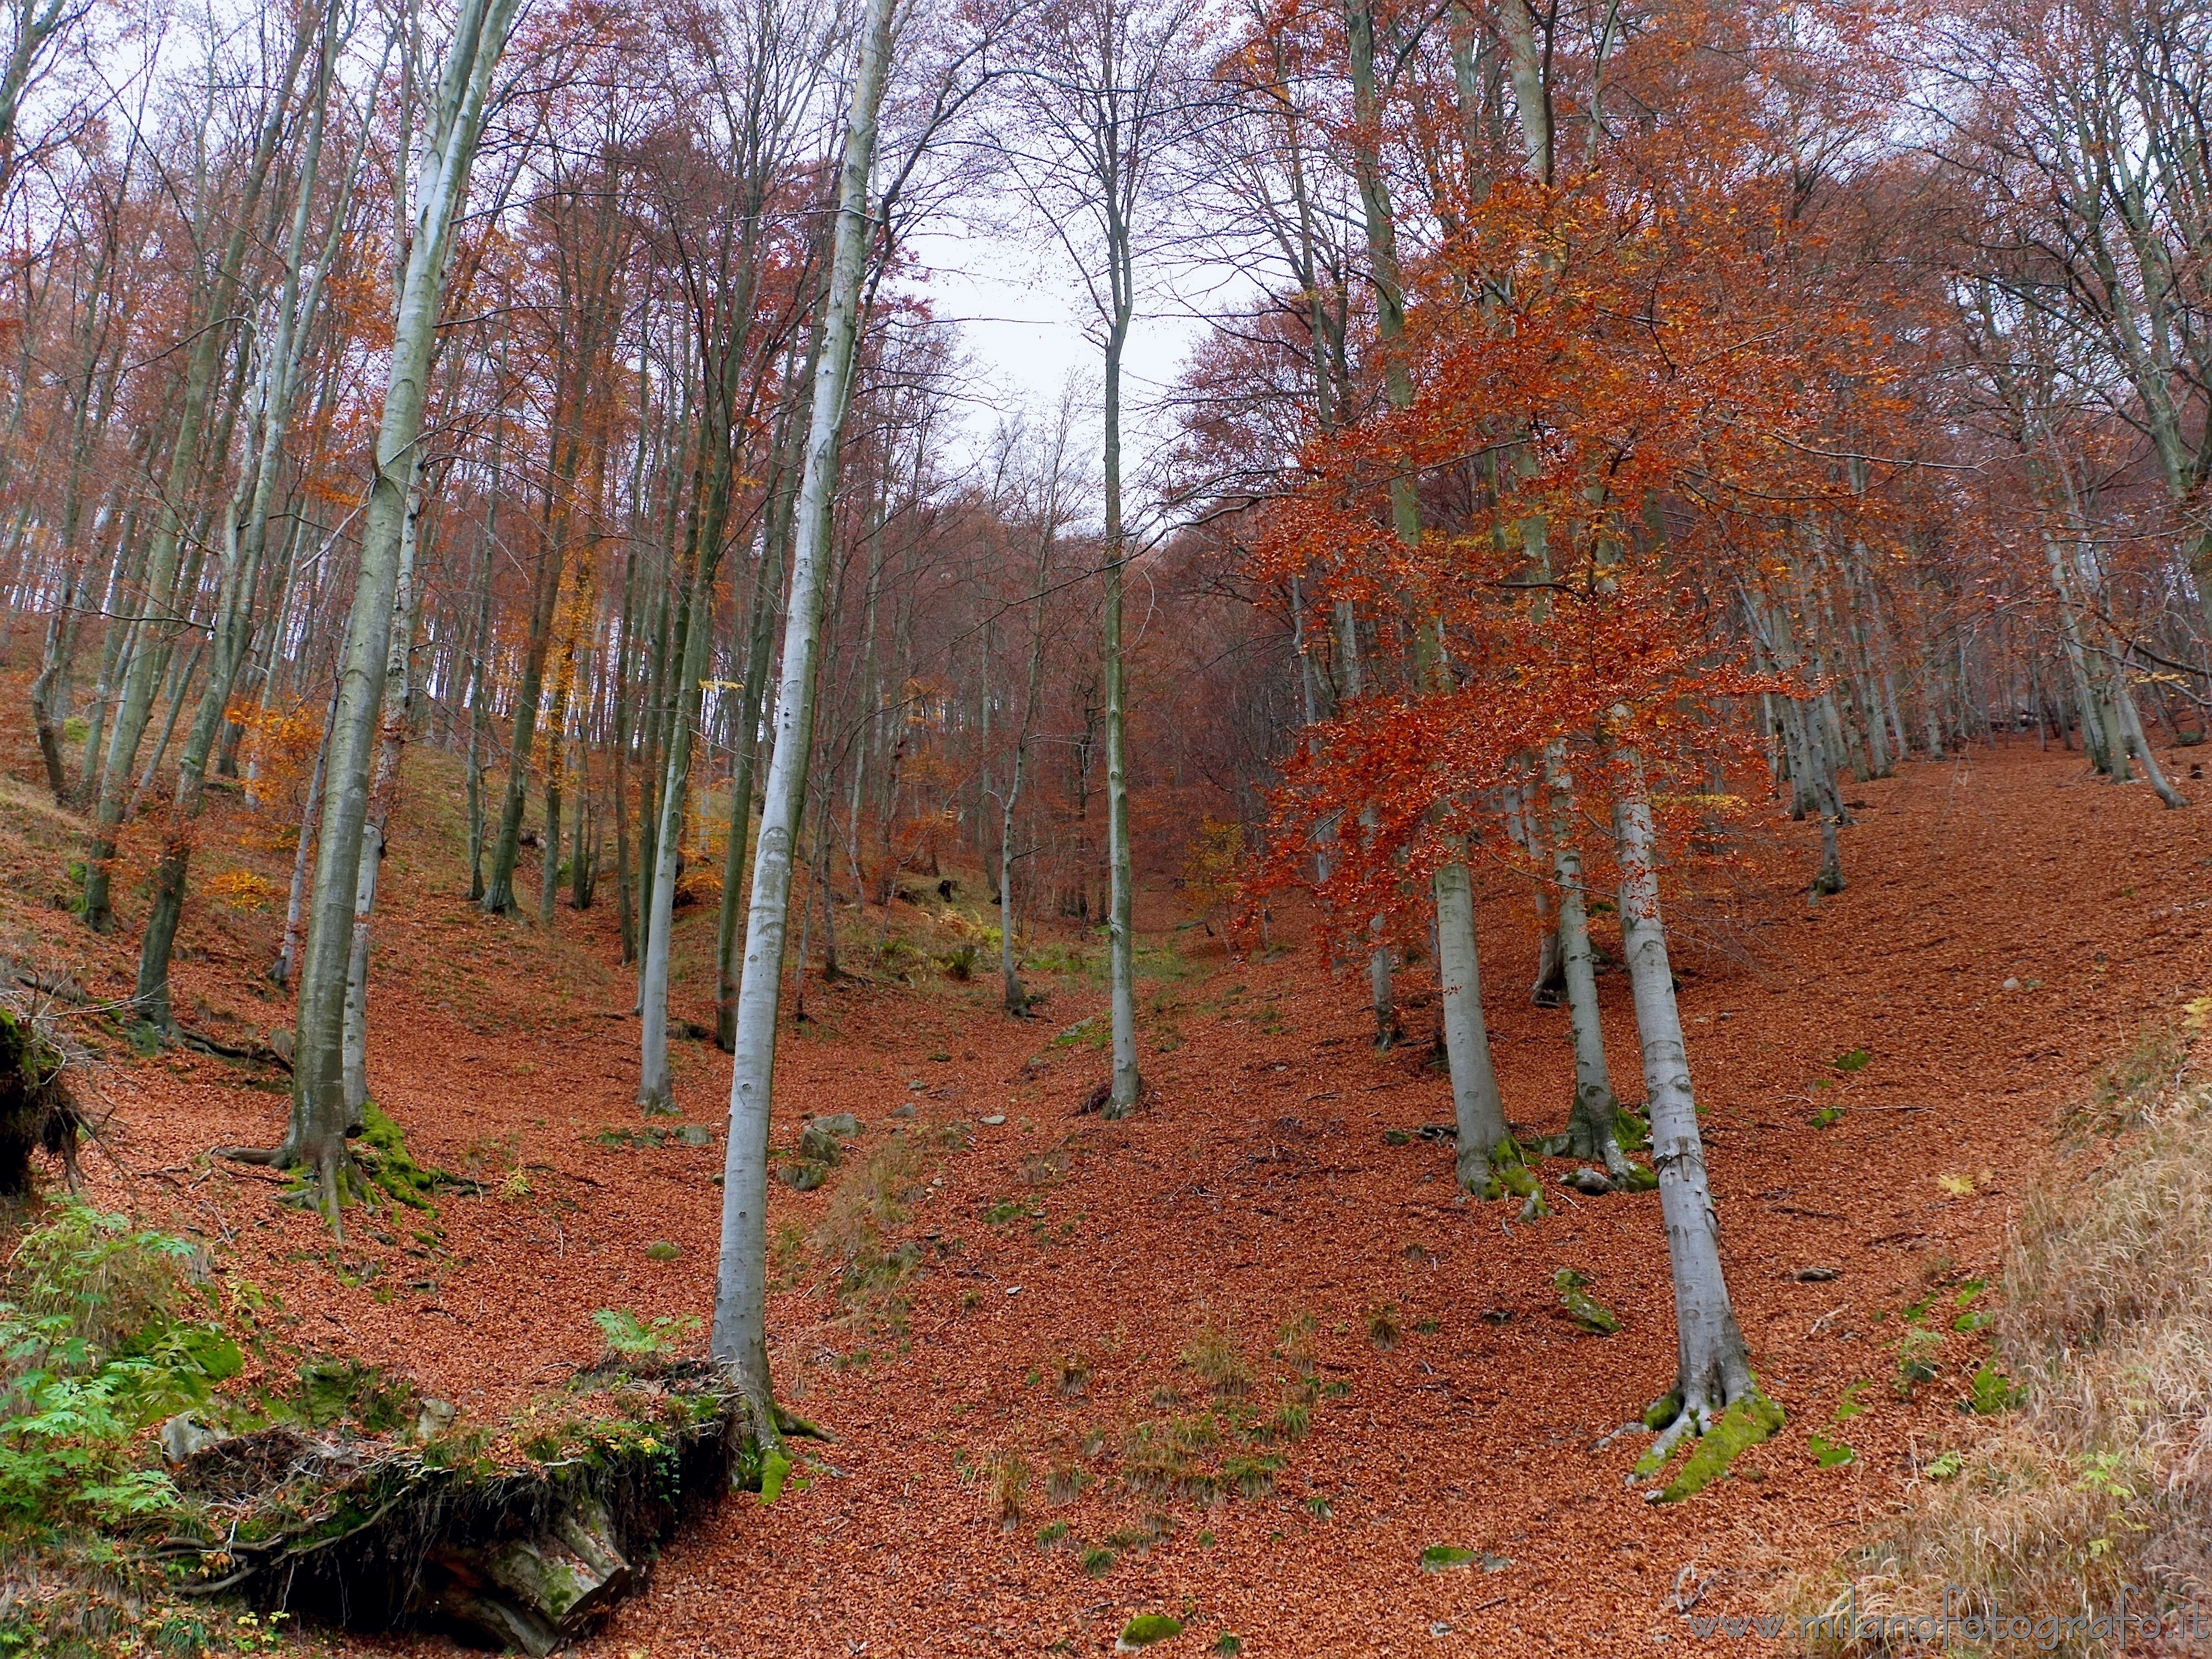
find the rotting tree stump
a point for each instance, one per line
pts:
(524, 1549)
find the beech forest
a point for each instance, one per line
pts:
(882, 827)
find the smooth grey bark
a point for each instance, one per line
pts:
(320, 1118)
(287, 951)
(740, 1333)
(1713, 1366)
(768, 592)
(654, 1089)
(1476, 1106)
(398, 708)
(2138, 743)
(1127, 1086)
(1593, 1124)
(1014, 996)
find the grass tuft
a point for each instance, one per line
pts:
(1214, 1358)
(1010, 1483)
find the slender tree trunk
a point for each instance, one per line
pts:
(739, 1336)
(1015, 995)
(287, 951)
(1127, 1085)
(316, 1134)
(655, 1093)
(398, 707)
(1593, 1128)
(161, 600)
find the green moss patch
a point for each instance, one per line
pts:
(1442, 1558)
(1586, 1310)
(36, 1110)
(382, 1155)
(1744, 1424)
(1144, 1629)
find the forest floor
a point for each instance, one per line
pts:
(1075, 1287)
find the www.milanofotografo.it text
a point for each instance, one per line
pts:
(2132, 1617)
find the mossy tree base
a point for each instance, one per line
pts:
(1716, 1442)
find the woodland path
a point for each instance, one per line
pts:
(1258, 1188)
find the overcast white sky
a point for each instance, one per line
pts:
(1021, 317)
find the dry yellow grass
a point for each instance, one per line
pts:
(2099, 1483)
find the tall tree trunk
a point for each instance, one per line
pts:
(398, 709)
(739, 1336)
(316, 1134)
(1127, 1085)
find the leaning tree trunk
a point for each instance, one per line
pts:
(739, 1336)
(316, 1134)
(161, 599)
(1713, 1366)
(246, 542)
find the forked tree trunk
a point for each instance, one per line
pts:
(739, 1335)
(246, 527)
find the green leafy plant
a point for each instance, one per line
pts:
(1991, 1392)
(632, 1338)
(92, 1349)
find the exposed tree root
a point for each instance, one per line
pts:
(1722, 1431)
(387, 1536)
